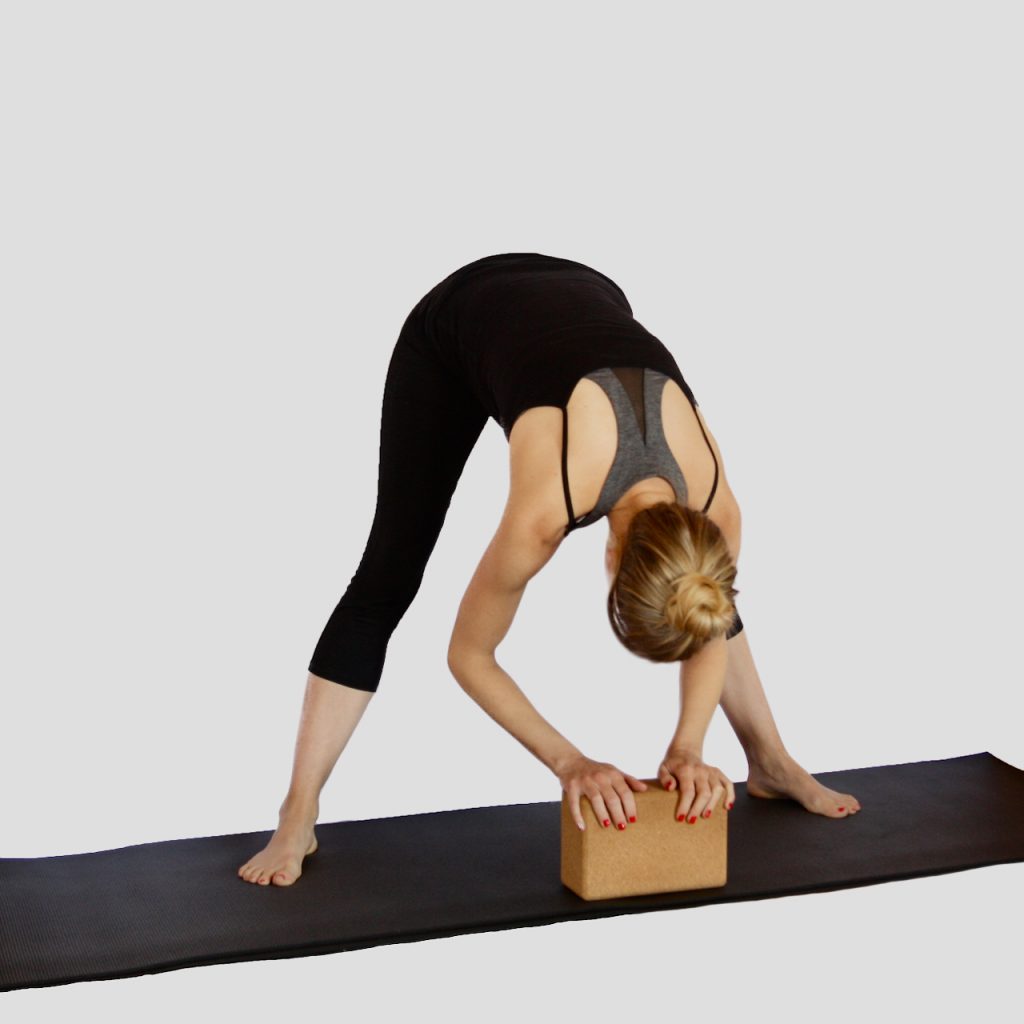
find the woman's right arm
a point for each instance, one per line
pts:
(518, 551)
(520, 548)
(530, 532)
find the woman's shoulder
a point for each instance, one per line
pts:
(535, 471)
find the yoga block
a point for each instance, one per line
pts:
(655, 853)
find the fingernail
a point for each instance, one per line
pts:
(606, 823)
(728, 807)
(622, 825)
(840, 808)
(693, 819)
(632, 817)
(680, 817)
(706, 814)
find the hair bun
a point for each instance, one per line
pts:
(695, 597)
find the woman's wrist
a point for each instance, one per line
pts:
(682, 747)
(692, 726)
(563, 755)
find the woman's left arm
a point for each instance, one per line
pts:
(702, 676)
(700, 786)
(701, 679)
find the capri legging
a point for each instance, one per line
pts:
(430, 422)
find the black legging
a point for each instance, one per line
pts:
(430, 422)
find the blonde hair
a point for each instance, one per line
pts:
(673, 591)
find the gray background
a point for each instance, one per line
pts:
(215, 218)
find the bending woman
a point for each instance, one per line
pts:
(598, 417)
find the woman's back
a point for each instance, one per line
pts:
(521, 329)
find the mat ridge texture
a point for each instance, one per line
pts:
(179, 903)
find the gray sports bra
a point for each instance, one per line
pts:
(643, 451)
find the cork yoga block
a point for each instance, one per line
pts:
(655, 853)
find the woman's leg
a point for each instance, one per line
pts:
(772, 770)
(429, 425)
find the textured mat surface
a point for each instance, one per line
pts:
(179, 903)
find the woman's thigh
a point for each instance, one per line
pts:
(430, 423)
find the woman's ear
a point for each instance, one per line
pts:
(611, 558)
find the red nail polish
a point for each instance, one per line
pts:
(632, 817)
(680, 817)
(706, 814)
(606, 823)
(728, 807)
(622, 825)
(840, 808)
(693, 818)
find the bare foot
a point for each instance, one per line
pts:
(785, 778)
(280, 861)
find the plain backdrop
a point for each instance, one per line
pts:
(216, 216)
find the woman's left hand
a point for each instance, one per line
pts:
(700, 785)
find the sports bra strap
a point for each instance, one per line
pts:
(714, 486)
(565, 469)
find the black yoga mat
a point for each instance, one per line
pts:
(166, 905)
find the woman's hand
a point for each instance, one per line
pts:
(700, 785)
(610, 791)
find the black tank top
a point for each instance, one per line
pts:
(522, 329)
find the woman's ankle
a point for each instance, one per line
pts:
(299, 807)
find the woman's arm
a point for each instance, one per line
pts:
(702, 676)
(725, 509)
(731, 526)
(497, 693)
(519, 550)
(701, 680)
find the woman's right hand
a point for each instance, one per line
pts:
(610, 791)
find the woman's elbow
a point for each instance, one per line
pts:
(462, 660)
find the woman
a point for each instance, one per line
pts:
(597, 416)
